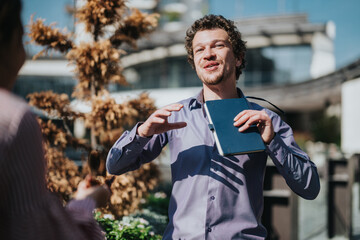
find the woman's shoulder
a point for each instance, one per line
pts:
(12, 111)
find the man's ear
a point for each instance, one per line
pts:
(238, 62)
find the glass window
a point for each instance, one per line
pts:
(165, 73)
(30, 84)
(277, 65)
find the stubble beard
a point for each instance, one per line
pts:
(213, 82)
(215, 78)
(212, 79)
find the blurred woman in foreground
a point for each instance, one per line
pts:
(27, 209)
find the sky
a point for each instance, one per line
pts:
(50, 10)
(344, 13)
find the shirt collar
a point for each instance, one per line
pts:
(198, 100)
(240, 93)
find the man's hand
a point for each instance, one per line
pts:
(157, 123)
(260, 118)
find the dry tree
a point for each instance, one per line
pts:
(97, 63)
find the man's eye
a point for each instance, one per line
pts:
(219, 45)
(198, 50)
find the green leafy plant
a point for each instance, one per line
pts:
(129, 228)
(157, 202)
(148, 223)
(155, 219)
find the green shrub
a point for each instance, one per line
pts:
(157, 202)
(156, 220)
(129, 228)
(149, 223)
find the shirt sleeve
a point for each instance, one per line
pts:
(130, 151)
(294, 165)
(81, 211)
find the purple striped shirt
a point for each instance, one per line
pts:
(27, 209)
(215, 197)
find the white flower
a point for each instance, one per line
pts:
(126, 219)
(143, 221)
(125, 224)
(109, 216)
(160, 195)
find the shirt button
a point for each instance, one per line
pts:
(209, 229)
(130, 138)
(212, 198)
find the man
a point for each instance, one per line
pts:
(215, 197)
(27, 209)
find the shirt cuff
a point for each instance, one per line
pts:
(277, 149)
(139, 141)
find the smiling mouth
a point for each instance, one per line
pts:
(211, 66)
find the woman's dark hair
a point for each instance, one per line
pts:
(212, 22)
(10, 19)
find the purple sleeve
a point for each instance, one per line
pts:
(81, 212)
(130, 151)
(293, 164)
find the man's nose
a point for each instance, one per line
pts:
(209, 54)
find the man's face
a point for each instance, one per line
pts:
(213, 57)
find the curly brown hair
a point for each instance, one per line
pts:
(217, 21)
